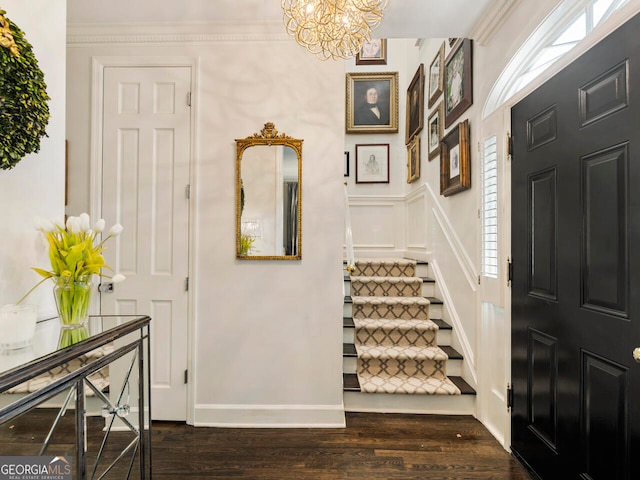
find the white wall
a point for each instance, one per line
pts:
(35, 186)
(266, 334)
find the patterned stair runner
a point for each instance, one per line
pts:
(394, 338)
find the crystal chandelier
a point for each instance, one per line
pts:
(332, 28)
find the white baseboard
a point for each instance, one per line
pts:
(269, 416)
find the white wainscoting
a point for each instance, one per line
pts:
(415, 221)
(377, 222)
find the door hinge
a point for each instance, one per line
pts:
(509, 396)
(187, 191)
(509, 272)
(189, 99)
(186, 284)
(186, 376)
(509, 146)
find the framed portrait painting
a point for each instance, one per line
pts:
(455, 160)
(373, 52)
(436, 76)
(458, 84)
(372, 102)
(413, 160)
(372, 163)
(415, 105)
(435, 131)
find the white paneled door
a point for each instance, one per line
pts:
(145, 177)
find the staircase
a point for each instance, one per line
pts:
(390, 298)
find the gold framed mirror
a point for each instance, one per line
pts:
(269, 196)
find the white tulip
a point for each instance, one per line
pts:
(117, 278)
(85, 222)
(73, 224)
(99, 226)
(115, 230)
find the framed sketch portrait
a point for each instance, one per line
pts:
(373, 52)
(413, 160)
(372, 102)
(372, 163)
(455, 160)
(415, 105)
(435, 129)
(458, 87)
(436, 76)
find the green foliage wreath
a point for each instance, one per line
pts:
(24, 112)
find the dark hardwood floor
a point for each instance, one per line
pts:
(373, 446)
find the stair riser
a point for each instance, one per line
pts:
(428, 288)
(435, 310)
(443, 337)
(416, 404)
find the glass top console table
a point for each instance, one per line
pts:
(83, 396)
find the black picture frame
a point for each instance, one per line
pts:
(346, 164)
(372, 163)
(373, 52)
(458, 81)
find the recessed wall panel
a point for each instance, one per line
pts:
(605, 263)
(604, 418)
(543, 211)
(542, 388)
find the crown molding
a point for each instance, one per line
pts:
(492, 19)
(158, 33)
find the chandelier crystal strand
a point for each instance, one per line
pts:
(332, 28)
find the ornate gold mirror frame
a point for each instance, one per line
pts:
(269, 196)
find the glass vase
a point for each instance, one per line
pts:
(73, 297)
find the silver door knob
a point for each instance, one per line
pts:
(106, 287)
(636, 354)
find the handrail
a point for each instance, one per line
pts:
(351, 263)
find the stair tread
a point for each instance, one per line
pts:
(349, 350)
(432, 300)
(451, 352)
(347, 278)
(350, 384)
(347, 322)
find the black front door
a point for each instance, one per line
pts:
(576, 260)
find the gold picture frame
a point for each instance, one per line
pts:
(381, 87)
(455, 160)
(415, 105)
(435, 130)
(413, 160)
